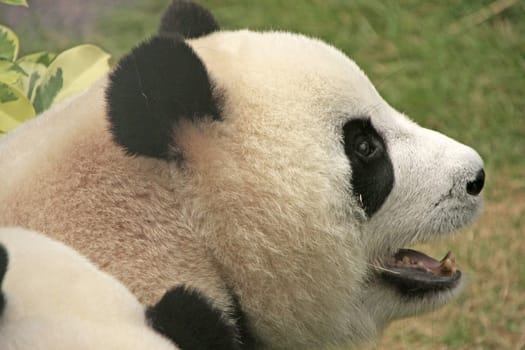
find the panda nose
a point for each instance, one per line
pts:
(475, 187)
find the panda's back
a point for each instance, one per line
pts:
(63, 175)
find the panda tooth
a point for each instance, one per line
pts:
(447, 266)
(450, 256)
(406, 260)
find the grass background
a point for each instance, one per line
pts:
(453, 65)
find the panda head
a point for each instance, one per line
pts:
(308, 187)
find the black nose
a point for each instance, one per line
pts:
(475, 187)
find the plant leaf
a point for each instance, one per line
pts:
(33, 81)
(15, 2)
(82, 65)
(10, 73)
(43, 57)
(15, 108)
(28, 82)
(8, 44)
(6, 94)
(48, 90)
(35, 65)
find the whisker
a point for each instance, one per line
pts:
(381, 268)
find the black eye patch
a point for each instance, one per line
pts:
(372, 171)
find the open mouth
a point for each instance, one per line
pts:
(414, 273)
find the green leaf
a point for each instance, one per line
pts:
(35, 66)
(6, 94)
(8, 44)
(69, 73)
(82, 65)
(15, 108)
(43, 57)
(10, 72)
(28, 82)
(33, 80)
(47, 92)
(15, 2)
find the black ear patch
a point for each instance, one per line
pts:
(188, 19)
(187, 318)
(160, 83)
(3, 269)
(372, 170)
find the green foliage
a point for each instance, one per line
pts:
(46, 93)
(31, 84)
(8, 44)
(14, 109)
(15, 2)
(6, 95)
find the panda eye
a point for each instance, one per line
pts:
(365, 148)
(361, 141)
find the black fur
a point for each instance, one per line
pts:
(161, 82)
(372, 175)
(187, 318)
(3, 269)
(188, 19)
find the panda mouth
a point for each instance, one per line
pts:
(413, 273)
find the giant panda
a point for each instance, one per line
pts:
(52, 298)
(262, 169)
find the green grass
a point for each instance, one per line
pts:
(458, 334)
(429, 60)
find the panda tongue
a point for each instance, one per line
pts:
(414, 258)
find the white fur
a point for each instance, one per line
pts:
(56, 299)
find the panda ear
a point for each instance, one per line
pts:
(187, 19)
(3, 269)
(159, 84)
